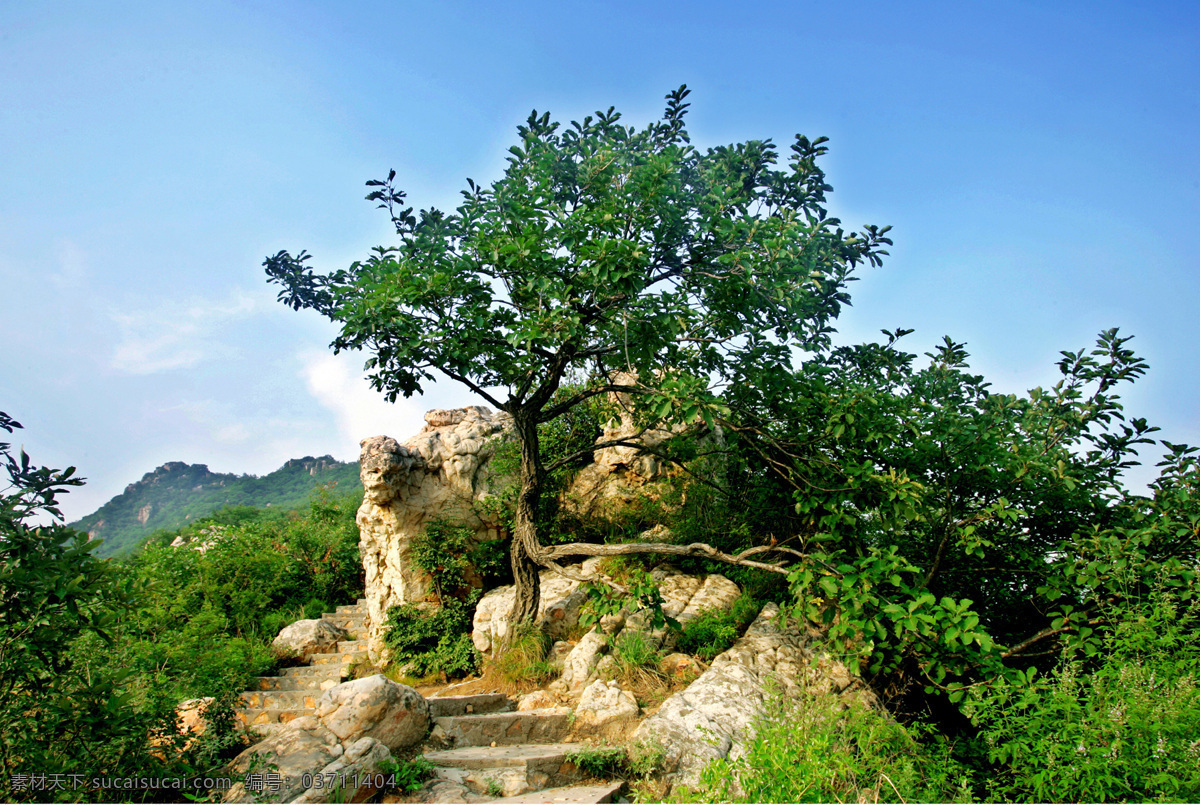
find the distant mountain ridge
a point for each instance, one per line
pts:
(177, 493)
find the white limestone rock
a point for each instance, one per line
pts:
(361, 765)
(605, 711)
(293, 753)
(714, 715)
(579, 667)
(537, 700)
(558, 609)
(315, 636)
(557, 657)
(441, 473)
(375, 707)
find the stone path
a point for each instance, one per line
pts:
(484, 751)
(294, 691)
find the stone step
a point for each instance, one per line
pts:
(356, 625)
(339, 658)
(300, 683)
(347, 646)
(341, 618)
(281, 699)
(504, 729)
(311, 671)
(351, 609)
(445, 706)
(514, 770)
(251, 716)
(606, 792)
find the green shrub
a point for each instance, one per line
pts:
(410, 774)
(828, 749)
(436, 641)
(1126, 727)
(454, 560)
(713, 631)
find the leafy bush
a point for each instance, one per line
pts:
(827, 749)
(432, 641)
(634, 654)
(410, 774)
(713, 631)
(1124, 728)
(73, 699)
(455, 561)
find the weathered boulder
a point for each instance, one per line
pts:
(315, 636)
(537, 700)
(558, 653)
(715, 594)
(606, 711)
(558, 609)
(349, 740)
(679, 665)
(441, 473)
(714, 715)
(579, 667)
(375, 707)
(677, 589)
(363, 765)
(293, 753)
(620, 475)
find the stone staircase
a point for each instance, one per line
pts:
(483, 750)
(294, 692)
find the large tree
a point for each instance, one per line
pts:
(621, 254)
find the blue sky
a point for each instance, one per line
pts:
(1037, 161)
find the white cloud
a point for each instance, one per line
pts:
(338, 384)
(176, 336)
(73, 269)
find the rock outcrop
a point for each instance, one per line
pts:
(356, 728)
(375, 707)
(558, 606)
(606, 711)
(314, 636)
(620, 475)
(441, 473)
(713, 717)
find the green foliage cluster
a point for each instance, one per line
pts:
(638, 662)
(95, 655)
(177, 494)
(436, 640)
(455, 562)
(824, 749)
(713, 631)
(640, 596)
(636, 760)
(410, 774)
(1122, 725)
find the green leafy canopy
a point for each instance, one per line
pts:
(603, 246)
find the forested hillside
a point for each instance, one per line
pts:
(177, 494)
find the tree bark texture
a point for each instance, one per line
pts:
(525, 543)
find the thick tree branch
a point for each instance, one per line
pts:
(549, 553)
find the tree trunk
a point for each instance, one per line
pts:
(525, 544)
